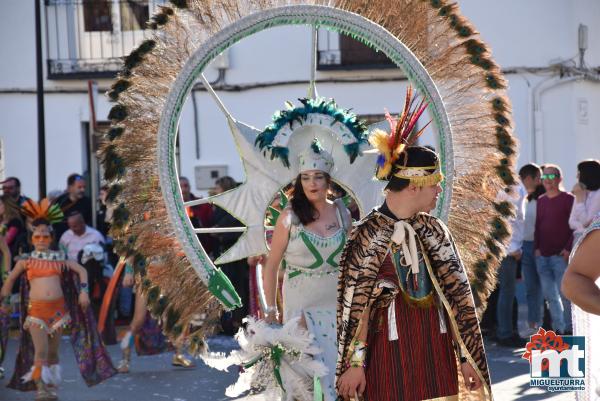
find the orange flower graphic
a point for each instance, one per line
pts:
(542, 341)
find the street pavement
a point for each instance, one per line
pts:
(152, 378)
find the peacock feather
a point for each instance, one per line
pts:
(458, 61)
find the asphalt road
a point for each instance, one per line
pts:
(152, 378)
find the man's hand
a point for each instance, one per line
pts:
(517, 255)
(84, 300)
(352, 384)
(472, 381)
(128, 280)
(565, 254)
(538, 253)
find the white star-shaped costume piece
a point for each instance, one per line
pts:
(265, 176)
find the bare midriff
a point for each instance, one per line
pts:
(45, 288)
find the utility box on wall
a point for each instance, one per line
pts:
(205, 176)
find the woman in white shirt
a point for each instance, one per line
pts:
(587, 196)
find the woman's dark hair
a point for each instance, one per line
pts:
(301, 206)
(414, 156)
(41, 222)
(589, 174)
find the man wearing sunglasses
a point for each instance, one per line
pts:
(553, 240)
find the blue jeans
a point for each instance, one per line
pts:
(551, 270)
(535, 299)
(507, 278)
(125, 300)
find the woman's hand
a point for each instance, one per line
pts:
(84, 299)
(271, 317)
(352, 383)
(472, 380)
(579, 192)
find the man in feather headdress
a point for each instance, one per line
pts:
(406, 318)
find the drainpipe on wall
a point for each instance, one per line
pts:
(536, 113)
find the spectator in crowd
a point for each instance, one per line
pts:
(507, 334)
(587, 196)
(553, 242)
(237, 271)
(12, 226)
(200, 216)
(53, 195)
(78, 235)
(5, 264)
(74, 199)
(12, 187)
(102, 214)
(530, 175)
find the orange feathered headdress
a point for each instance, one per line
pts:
(42, 210)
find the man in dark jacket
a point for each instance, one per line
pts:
(74, 199)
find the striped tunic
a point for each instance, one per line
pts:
(420, 364)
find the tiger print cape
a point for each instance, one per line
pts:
(361, 259)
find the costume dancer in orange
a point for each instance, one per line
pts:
(51, 306)
(46, 310)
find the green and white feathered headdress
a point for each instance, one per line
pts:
(317, 115)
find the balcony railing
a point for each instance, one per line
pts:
(88, 38)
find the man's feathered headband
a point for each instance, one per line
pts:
(403, 134)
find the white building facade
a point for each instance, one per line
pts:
(537, 43)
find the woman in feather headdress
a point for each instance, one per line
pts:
(54, 294)
(309, 235)
(297, 360)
